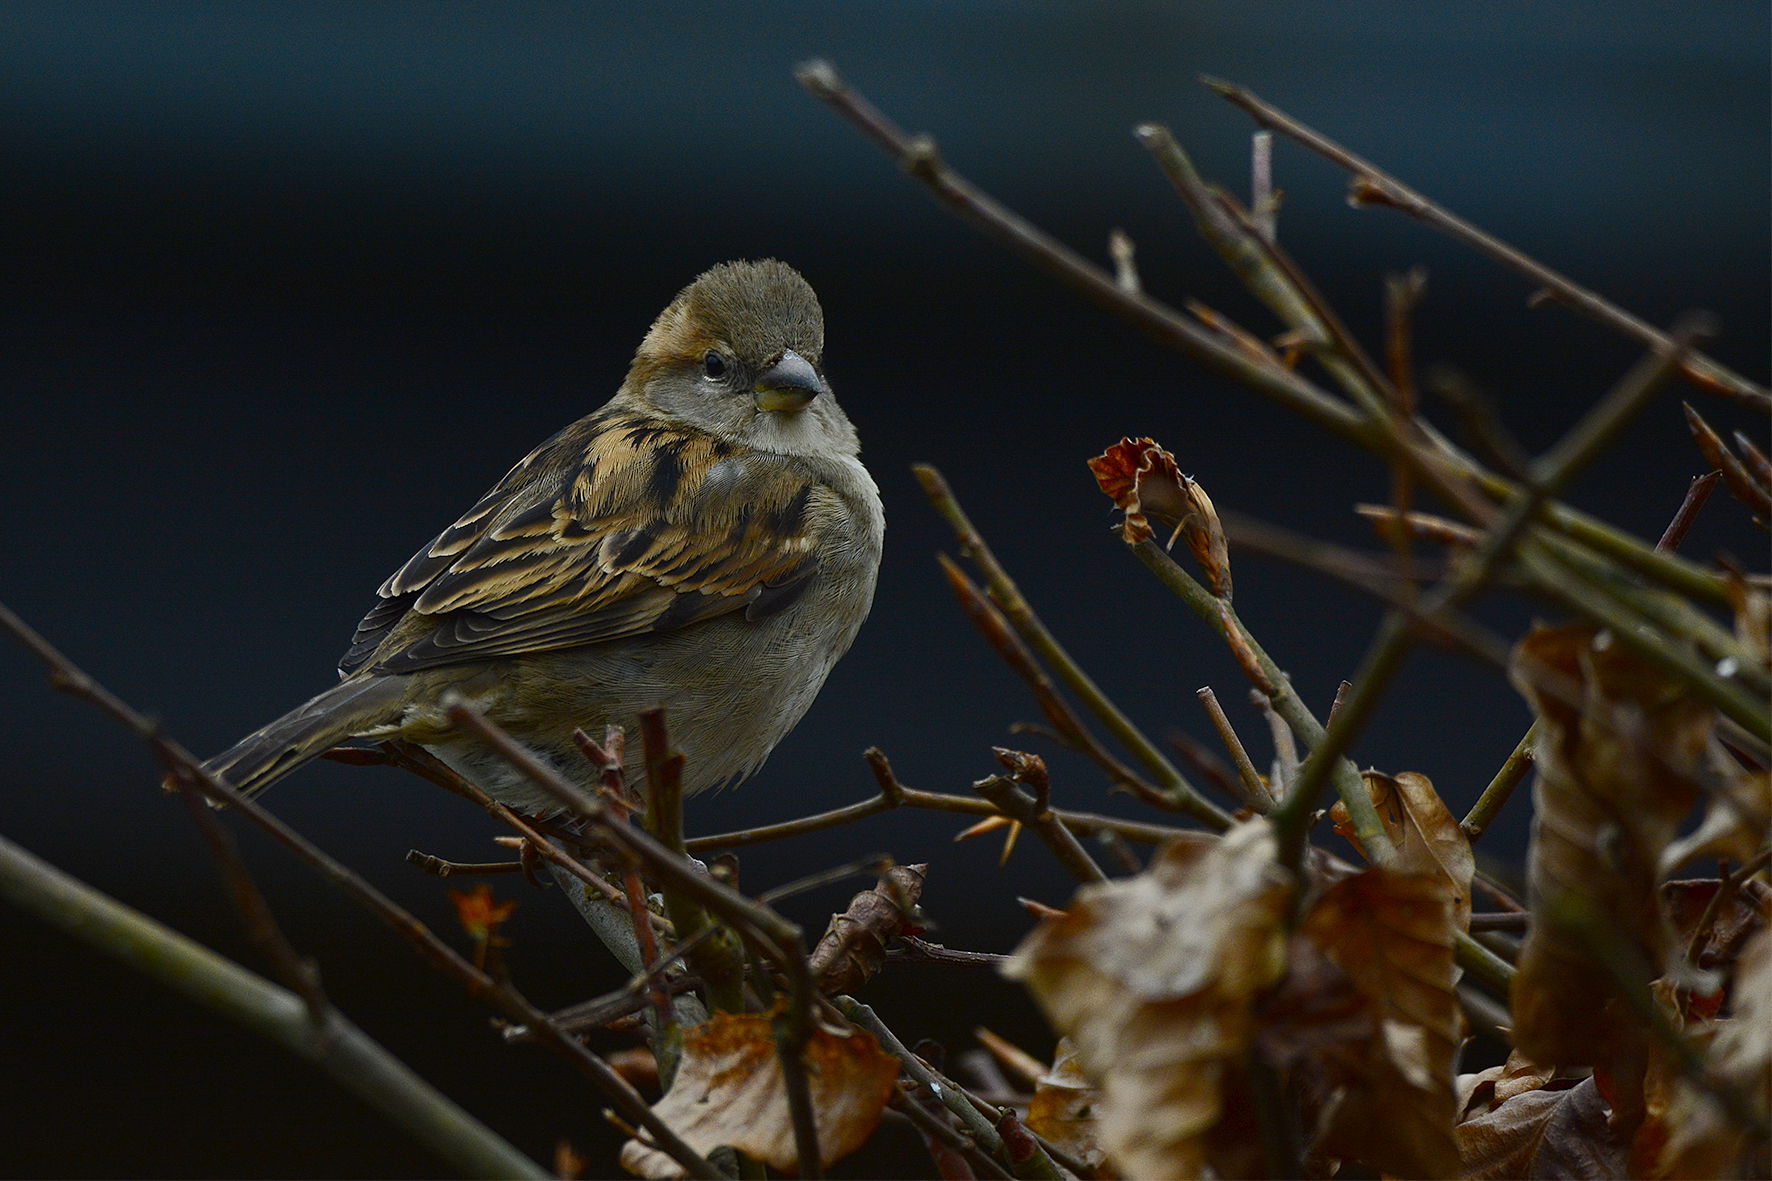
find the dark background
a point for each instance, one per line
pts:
(288, 286)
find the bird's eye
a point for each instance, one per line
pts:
(714, 366)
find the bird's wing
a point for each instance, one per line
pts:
(621, 525)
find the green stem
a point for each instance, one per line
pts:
(1501, 788)
(1484, 965)
(1029, 627)
(1277, 687)
(333, 1043)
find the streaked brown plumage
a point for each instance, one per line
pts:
(707, 541)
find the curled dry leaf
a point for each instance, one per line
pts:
(1727, 923)
(1486, 1090)
(1427, 837)
(1617, 766)
(1391, 1102)
(1140, 477)
(729, 1091)
(1063, 1107)
(1735, 822)
(1688, 1134)
(1153, 978)
(854, 945)
(1753, 616)
(1551, 1132)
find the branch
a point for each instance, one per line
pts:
(69, 677)
(894, 794)
(325, 1037)
(1373, 186)
(1007, 597)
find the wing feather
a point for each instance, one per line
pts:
(618, 526)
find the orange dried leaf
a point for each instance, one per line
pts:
(1154, 979)
(1140, 477)
(1391, 933)
(729, 1091)
(1425, 834)
(478, 914)
(1487, 1089)
(1063, 1108)
(1697, 1138)
(1617, 771)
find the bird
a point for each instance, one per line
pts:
(708, 542)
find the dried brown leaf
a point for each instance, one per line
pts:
(1391, 933)
(1487, 1089)
(1063, 1107)
(1735, 822)
(853, 947)
(1617, 766)
(1142, 478)
(1745, 912)
(1688, 1134)
(1154, 978)
(729, 1091)
(1753, 616)
(1425, 834)
(1542, 1133)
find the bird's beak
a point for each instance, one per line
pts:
(789, 384)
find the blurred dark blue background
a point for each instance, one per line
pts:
(288, 286)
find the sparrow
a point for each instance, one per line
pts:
(707, 541)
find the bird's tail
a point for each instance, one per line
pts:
(347, 710)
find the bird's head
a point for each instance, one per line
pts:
(739, 353)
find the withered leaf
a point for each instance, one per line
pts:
(1423, 831)
(1486, 1089)
(1544, 1133)
(1735, 823)
(1063, 1107)
(1391, 933)
(1744, 913)
(854, 944)
(1140, 477)
(1701, 1138)
(729, 1091)
(1153, 979)
(1617, 766)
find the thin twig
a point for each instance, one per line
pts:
(783, 938)
(895, 795)
(909, 949)
(1373, 186)
(67, 676)
(324, 1037)
(1740, 481)
(1269, 676)
(1256, 792)
(1501, 788)
(918, 156)
(1011, 801)
(442, 868)
(1008, 598)
(1696, 494)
